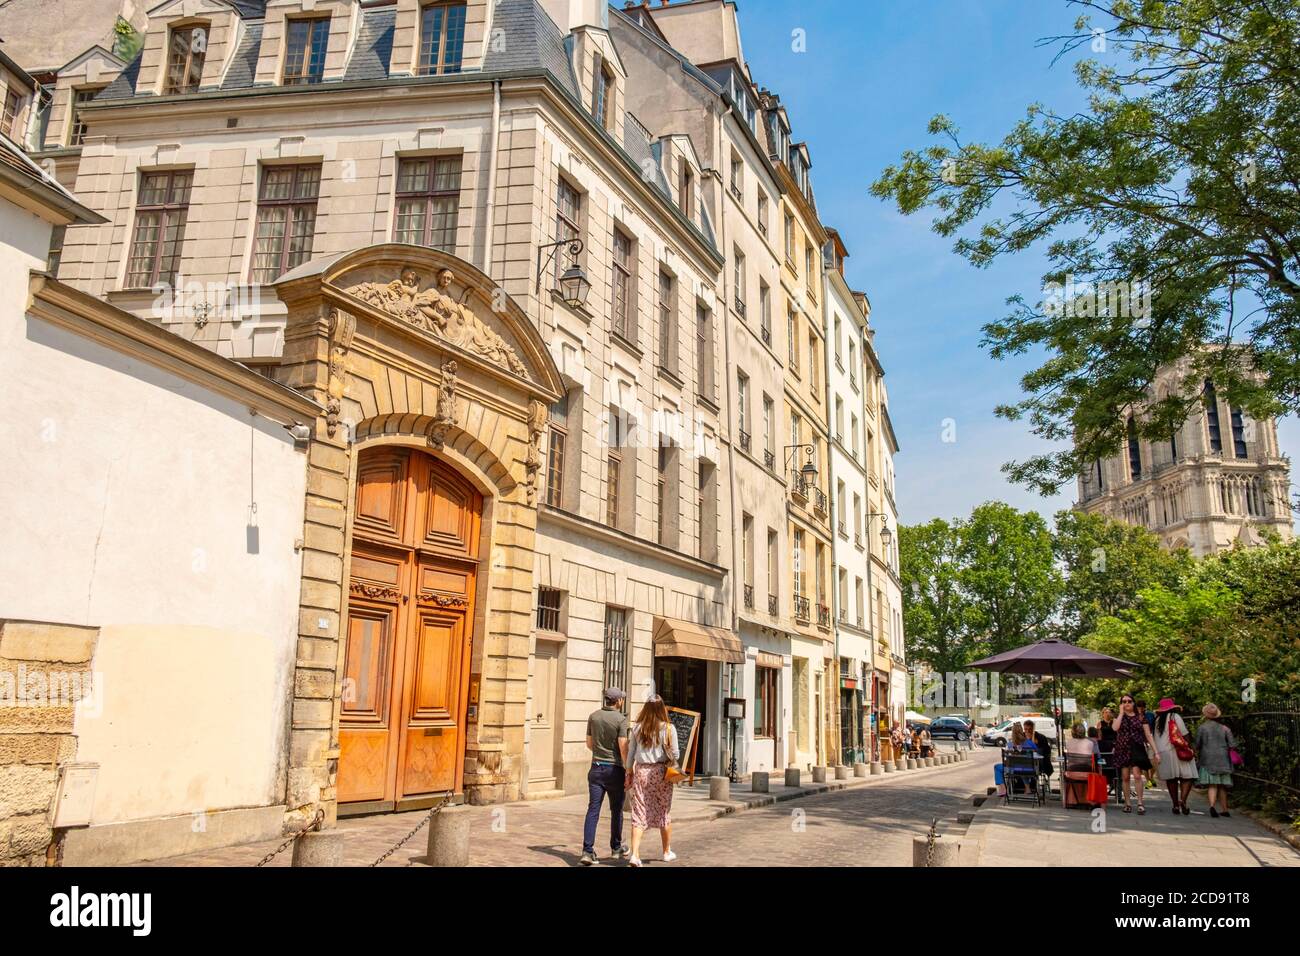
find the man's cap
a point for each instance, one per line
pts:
(614, 693)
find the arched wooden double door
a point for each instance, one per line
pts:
(415, 542)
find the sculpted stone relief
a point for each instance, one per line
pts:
(435, 311)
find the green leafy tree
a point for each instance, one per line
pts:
(934, 606)
(1105, 564)
(1009, 576)
(1228, 632)
(1179, 178)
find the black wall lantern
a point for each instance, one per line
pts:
(573, 284)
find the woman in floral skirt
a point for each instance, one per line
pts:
(651, 750)
(1132, 736)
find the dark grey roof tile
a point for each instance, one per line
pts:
(374, 46)
(243, 67)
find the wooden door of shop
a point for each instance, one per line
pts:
(410, 621)
(684, 682)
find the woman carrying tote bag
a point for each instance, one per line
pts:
(651, 751)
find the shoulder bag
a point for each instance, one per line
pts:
(671, 773)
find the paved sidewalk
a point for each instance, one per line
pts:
(540, 832)
(1022, 835)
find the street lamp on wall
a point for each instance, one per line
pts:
(809, 470)
(573, 286)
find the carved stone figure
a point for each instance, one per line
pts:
(445, 419)
(434, 310)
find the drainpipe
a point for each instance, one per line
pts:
(737, 586)
(490, 209)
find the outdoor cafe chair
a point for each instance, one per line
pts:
(1022, 769)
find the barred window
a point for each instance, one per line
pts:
(161, 212)
(185, 55)
(428, 199)
(10, 113)
(616, 657)
(286, 220)
(442, 38)
(548, 609)
(304, 58)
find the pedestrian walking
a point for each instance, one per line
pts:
(1177, 759)
(607, 741)
(1132, 737)
(1215, 746)
(651, 750)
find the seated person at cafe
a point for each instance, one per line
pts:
(1079, 744)
(1093, 739)
(1041, 744)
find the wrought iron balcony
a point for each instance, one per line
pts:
(819, 500)
(802, 609)
(799, 487)
(823, 616)
(769, 459)
(744, 441)
(773, 605)
(740, 307)
(765, 333)
(749, 595)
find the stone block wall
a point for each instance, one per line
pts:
(44, 670)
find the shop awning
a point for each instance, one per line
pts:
(674, 638)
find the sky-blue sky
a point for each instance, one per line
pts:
(873, 74)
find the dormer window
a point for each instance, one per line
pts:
(185, 55)
(602, 98)
(304, 55)
(13, 103)
(442, 38)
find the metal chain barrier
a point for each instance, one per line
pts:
(418, 827)
(929, 842)
(314, 825)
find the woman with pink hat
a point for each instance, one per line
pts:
(1177, 763)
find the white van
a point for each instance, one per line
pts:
(999, 735)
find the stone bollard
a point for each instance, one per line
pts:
(319, 848)
(719, 788)
(792, 776)
(929, 761)
(758, 781)
(860, 770)
(449, 837)
(887, 766)
(841, 772)
(946, 851)
(911, 763)
(877, 769)
(819, 774)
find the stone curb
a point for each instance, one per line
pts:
(758, 801)
(1279, 830)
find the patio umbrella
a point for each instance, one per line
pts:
(916, 718)
(1056, 658)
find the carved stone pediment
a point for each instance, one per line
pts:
(433, 308)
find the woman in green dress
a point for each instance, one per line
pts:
(1214, 743)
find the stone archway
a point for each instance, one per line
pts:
(409, 346)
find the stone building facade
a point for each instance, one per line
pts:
(1219, 481)
(552, 353)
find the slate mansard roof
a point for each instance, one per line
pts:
(525, 40)
(530, 40)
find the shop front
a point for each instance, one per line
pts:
(694, 668)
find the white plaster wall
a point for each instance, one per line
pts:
(126, 502)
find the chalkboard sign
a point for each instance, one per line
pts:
(686, 724)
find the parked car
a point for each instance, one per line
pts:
(999, 735)
(958, 728)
